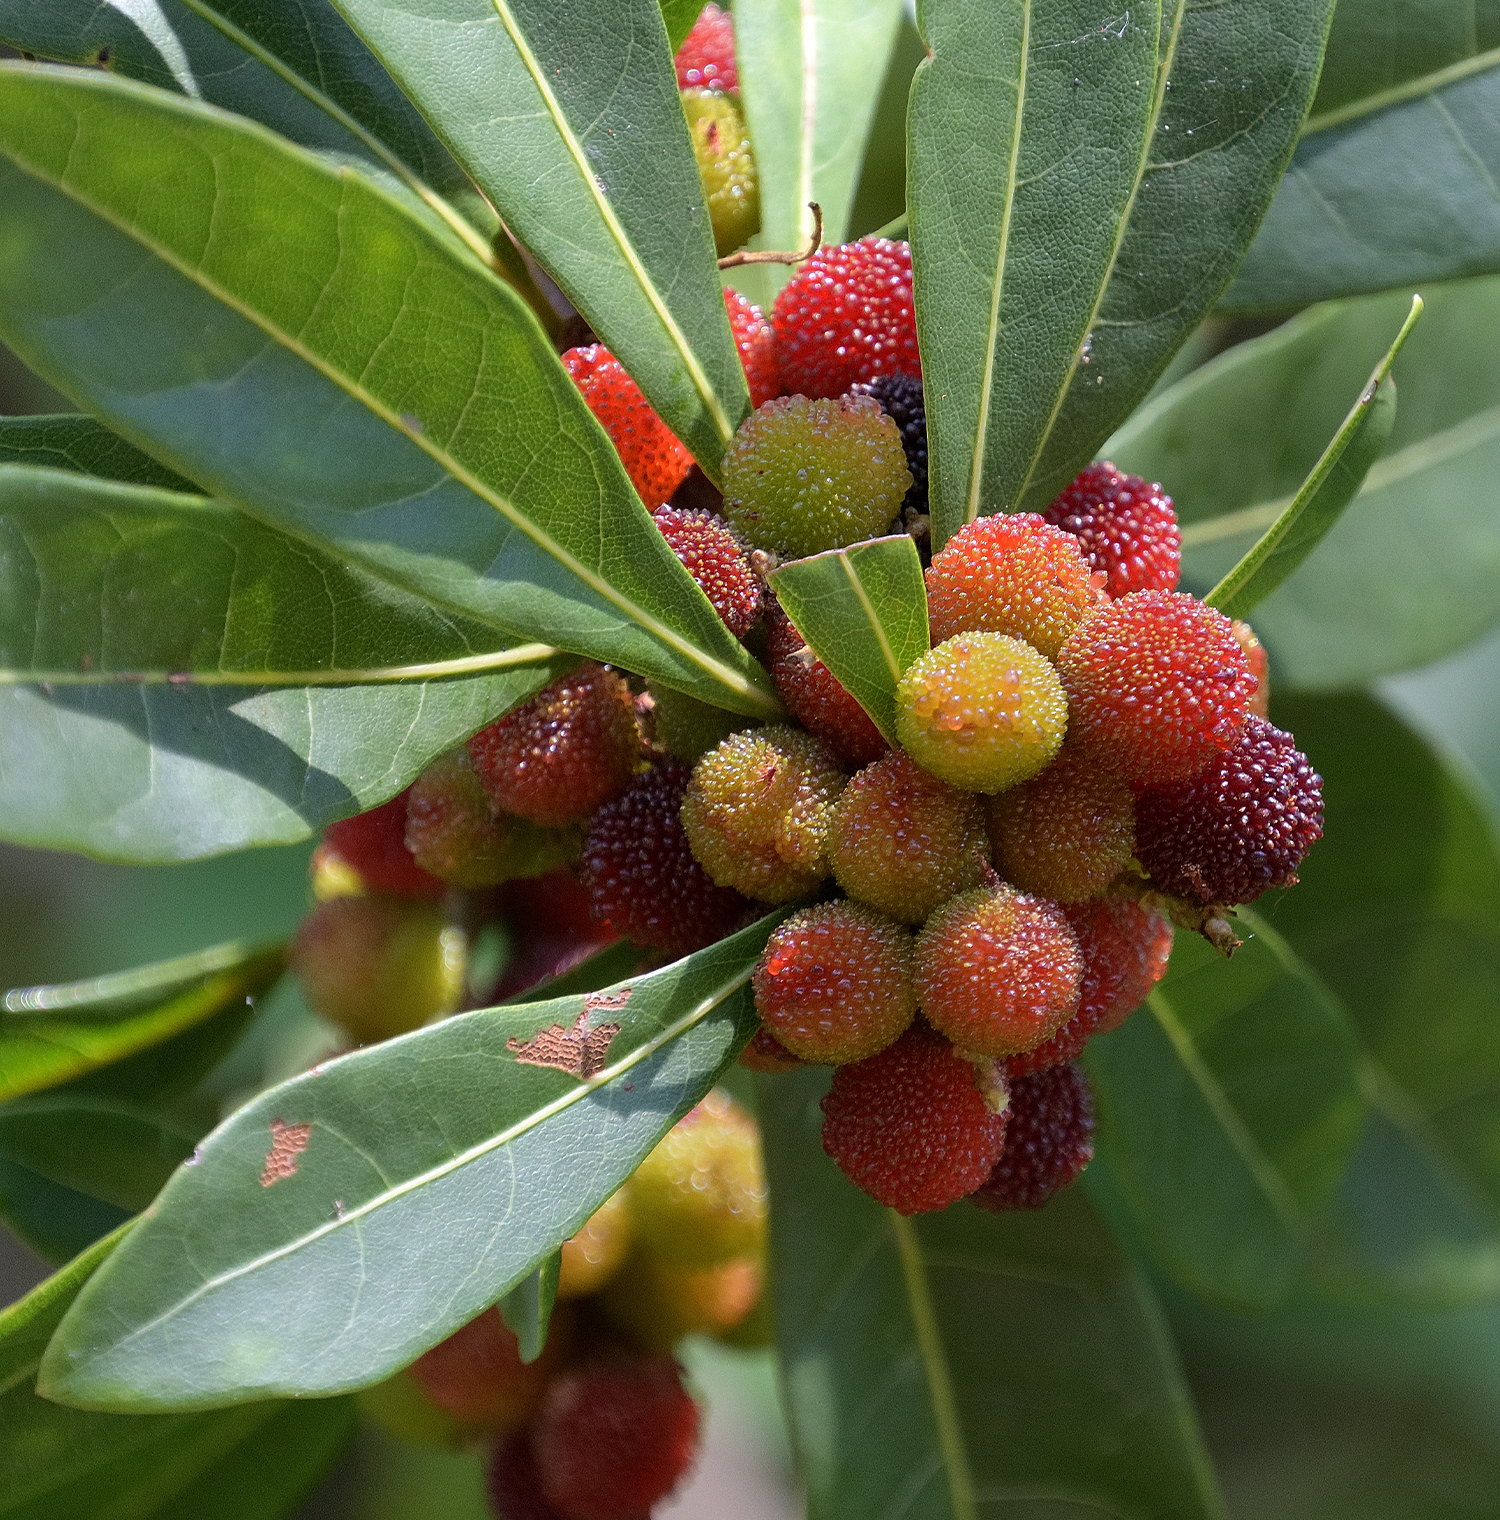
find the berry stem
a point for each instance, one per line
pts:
(777, 256)
(1211, 920)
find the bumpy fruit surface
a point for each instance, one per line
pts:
(766, 1053)
(756, 341)
(640, 873)
(656, 1303)
(903, 841)
(998, 971)
(901, 399)
(559, 756)
(726, 166)
(1010, 574)
(835, 983)
(1240, 827)
(803, 476)
(699, 1199)
(1124, 951)
(514, 1484)
(1260, 667)
(686, 727)
(1124, 525)
(653, 458)
(713, 554)
(814, 696)
(592, 1256)
(1157, 685)
(847, 316)
(1065, 834)
(1049, 1139)
(452, 831)
(982, 711)
(373, 845)
(378, 966)
(614, 1436)
(757, 811)
(706, 56)
(477, 1374)
(910, 1126)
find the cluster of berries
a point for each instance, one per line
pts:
(599, 1426)
(709, 83)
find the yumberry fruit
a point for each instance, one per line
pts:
(998, 971)
(847, 316)
(614, 1435)
(756, 341)
(1157, 685)
(835, 982)
(714, 555)
(1125, 526)
(1010, 574)
(757, 811)
(378, 966)
(571, 748)
(900, 398)
(802, 476)
(1065, 834)
(1237, 829)
(641, 875)
(478, 1377)
(903, 842)
(1124, 950)
(551, 929)
(653, 458)
(372, 845)
(911, 1127)
(706, 56)
(726, 166)
(656, 1303)
(513, 1483)
(1049, 1139)
(1260, 667)
(699, 1198)
(814, 696)
(982, 711)
(593, 1255)
(766, 1053)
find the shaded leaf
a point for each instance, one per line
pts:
(425, 1178)
(679, 16)
(880, 200)
(527, 1308)
(74, 441)
(387, 396)
(964, 1363)
(56, 1221)
(863, 612)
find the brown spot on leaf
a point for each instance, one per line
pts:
(288, 1141)
(579, 1051)
(607, 1002)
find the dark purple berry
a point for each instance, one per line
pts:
(900, 398)
(1049, 1130)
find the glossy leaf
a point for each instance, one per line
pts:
(1411, 571)
(1232, 84)
(1228, 1109)
(73, 441)
(1030, 129)
(387, 397)
(1322, 497)
(863, 612)
(347, 1220)
(184, 679)
(963, 1363)
(567, 117)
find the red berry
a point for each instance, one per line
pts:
(998, 971)
(757, 345)
(910, 1126)
(1260, 667)
(1157, 685)
(477, 1374)
(706, 57)
(1015, 575)
(835, 982)
(640, 873)
(1237, 829)
(1049, 1139)
(653, 458)
(1125, 527)
(814, 696)
(559, 756)
(551, 928)
(1124, 950)
(847, 316)
(614, 1436)
(766, 1053)
(515, 1486)
(714, 555)
(374, 844)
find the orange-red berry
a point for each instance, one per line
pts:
(814, 696)
(1125, 526)
(757, 345)
(653, 458)
(1049, 1139)
(373, 843)
(706, 58)
(477, 1374)
(1260, 667)
(714, 555)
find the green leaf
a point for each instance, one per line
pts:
(1049, 112)
(679, 16)
(49, 1034)
(568, 118)
(73, 441)
(963, 1363)
(527, 1308)
(1412, 569)
(432, 1174)
(1322, 497)
(1232, 84)
(368, 387)
(863, 612)
(184, 679)
(56, 1221)
(1228, 1109)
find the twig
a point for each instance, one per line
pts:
(770, 256)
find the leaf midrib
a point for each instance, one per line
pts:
(882, 641)
(1399, 94)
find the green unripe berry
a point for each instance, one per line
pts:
(656, 1303)
(402, 1407)
(686, 727)
(982, 711)
(726, 166)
